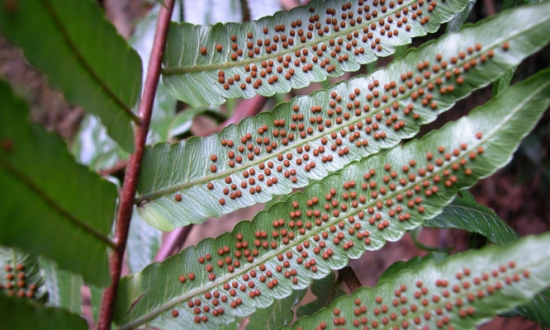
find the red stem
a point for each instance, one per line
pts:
(124, 212)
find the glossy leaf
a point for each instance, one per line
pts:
(64, 288)
(212, 176)
(326, 290)
(278, 314)
(537, 309)
(20, 276)
(461, 292)
(467, 214)
(23, 314)
(144, 242)
(413, 263)
(338, 218)
(82, 54)
(207, 64)
(53, 202)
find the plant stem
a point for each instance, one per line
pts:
(124, 212)
(348, 276)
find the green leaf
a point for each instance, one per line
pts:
(201, 62)
(326, 290)
(278, 314)
(95, 300)
(82, 55)
(21, 314)
(64, 288)
(461, 292)
(413, 263)
(94, 148)
(143, 243)
(53, 202)
(503, 82)
(20, 276)
(186, 169)
(338, 218)
(458, 20)
(465, 213)
(537, 309)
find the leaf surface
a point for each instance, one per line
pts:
(467, 214)
(207, 64)
(64, 288)
(20, 276)
(338, 218)
(82, 55)
(461, 292)
(53, 202)
(278, 314)
(23, 314)
(413, 263)
(313, 136)
(144, 242)
(326, 290)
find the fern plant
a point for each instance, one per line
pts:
(341, 146)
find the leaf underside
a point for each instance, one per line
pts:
(467, 214)
(313, 136)
(278, 314)
(82, 55)
(52, 201)
(64, 288)
(458, 293)
(208, 64)
(20, 276)
(22, 314)
(338, 218)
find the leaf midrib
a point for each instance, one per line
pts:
(165, 191)
(270, 255)
(49, 200)
(463, 294)
(167, 71)
(87, 66)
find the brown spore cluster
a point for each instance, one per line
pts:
(15, 282)
(427, 306)
(347, 31)
(302, 138)
(348, 217)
